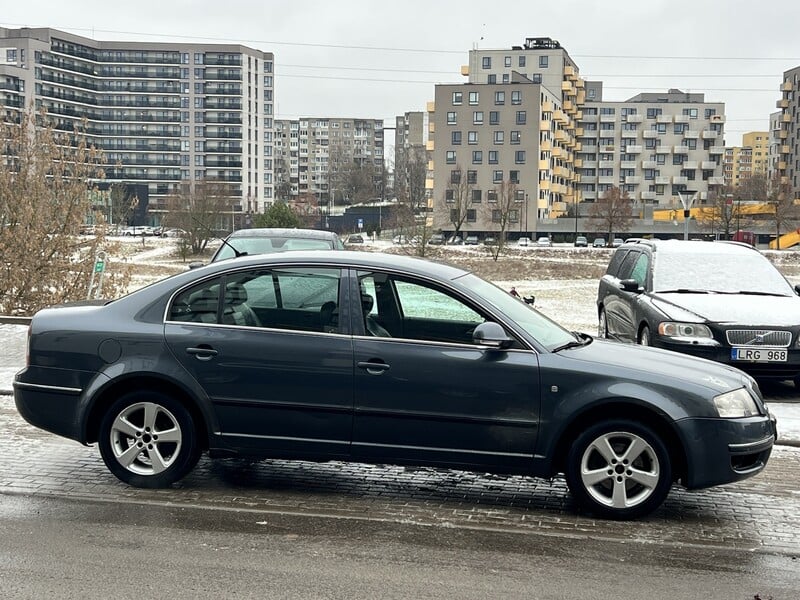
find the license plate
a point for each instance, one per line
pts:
(763, 355)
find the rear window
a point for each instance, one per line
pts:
(269, 245)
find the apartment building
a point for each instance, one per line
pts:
(309, 149)
(411, 158)
(752, 157)
(776, 144)
(512, 124)
(653, 146)
(164, 114)
(787, 167)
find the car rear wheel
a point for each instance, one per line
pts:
(619, 469)
(602, 324)
(147, 439)
(644, 336)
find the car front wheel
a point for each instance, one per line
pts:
(602, 324)
(147, 439)
(619, 469)
(644, 336)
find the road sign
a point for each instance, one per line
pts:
(361, 223)
(99, 266)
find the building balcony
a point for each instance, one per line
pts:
(606, 179)
(716, 181)
(608, 118)
(785, 149)
(716, 150)
(649, 164)
(544, 164)
(636, 149)
(690, 165)
(547, 106)
(590, 164)
(589, 118)
(588, 178)
(662, 180)
(430, 107)
(680, 149)
(635, 118)
(664, 118)
(633, 179)
(781, 166)
(681, 119)
(786, 86)
(648, 195)
(783, 103)
(627, 164)
(691, 134)
(680, 180)
(650, 134)
(708, 165)
(783, 134)
(606, 164)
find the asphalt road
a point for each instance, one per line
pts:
(53, 547)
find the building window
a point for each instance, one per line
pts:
(448, 195)
(543, 62)
(507, 61)
(472, 215)
(477, 117)
(494, 117)
(521, 61)
(491, 196)
(513, 176)
(516, 97)
(498, 137)
(709, 112)
(198, 58)
(474, 97)
(451, 118)
(455, 176)
(691, 112)
(497, 176)
(537, 78)
(472, 137)
(519, 157)
(491, 79)
(476, 196)
(515, 137)
(652, 113)
(505, 78)
(455, 138)
(472, 177)
(450, 158)
(487, 62)
(477, 157)
(458, 98)
(11, 55)
(522, 117)
(499, 98)
(492, 157)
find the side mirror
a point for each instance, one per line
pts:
(492, 335)
(630, 285)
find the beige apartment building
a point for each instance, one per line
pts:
(307, 149)
(752, 157)
(164, 114)
(527, 117)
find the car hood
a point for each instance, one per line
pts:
(661, 367)
(775, 311)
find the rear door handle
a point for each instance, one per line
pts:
(373, 368)
(201, 353)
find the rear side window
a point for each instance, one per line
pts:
(616, 261)
(626, 268)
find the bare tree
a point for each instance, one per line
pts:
(505, 206)
(283, 187)
(47, 178)
(458, 198)
(410, 174)
(350, 178)
(721, 216)
(784, 213)
(201, 208)
(755, 188)
(612, 212)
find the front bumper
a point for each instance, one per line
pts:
(722, 354)
(722, 451)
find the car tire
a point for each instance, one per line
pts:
(602, 324)
(643, 339)
(619, 469)
(148, 439)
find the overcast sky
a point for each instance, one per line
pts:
(372, 59)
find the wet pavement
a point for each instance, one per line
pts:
(761, 514)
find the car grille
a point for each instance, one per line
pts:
(759, 337)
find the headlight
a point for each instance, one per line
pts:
(686, 331)
(735, 404)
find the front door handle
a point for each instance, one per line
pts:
(373, 368)
(202, 352)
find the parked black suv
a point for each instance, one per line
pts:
(723, 301)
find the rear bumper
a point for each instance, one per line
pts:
(722, 451)
(49, 407)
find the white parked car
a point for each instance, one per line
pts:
(544, 242)
(524, 241)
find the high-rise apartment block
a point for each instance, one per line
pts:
(308, 149)
(527, 118)
(751, 158)
(162, 113)
(787, 167)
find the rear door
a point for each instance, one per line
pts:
(273, 356)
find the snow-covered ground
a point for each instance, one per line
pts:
(570, 302)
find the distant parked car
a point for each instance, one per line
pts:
(355, 239)
(454, 240)
(524, 241)
(173, 233)
(581, 241)
(471, 240)
(599, 243)
(489, 240)
(400, 239)
(544, 242)
(437, 239)
(617, 242)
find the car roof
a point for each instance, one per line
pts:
(314, 234)
(692, 247)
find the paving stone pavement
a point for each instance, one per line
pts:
(761, 514)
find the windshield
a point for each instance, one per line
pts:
(267, 245)
(724, 272)
(548, 333)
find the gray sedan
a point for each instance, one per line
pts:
(378, 358)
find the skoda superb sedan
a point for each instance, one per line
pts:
(723, 301)
(377, 358)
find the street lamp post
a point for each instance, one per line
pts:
(687, 211)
